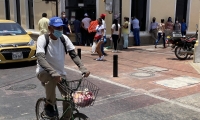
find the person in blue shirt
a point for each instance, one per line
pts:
(77, 31)
(183, 27)
(66, 27)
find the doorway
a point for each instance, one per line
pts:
(7, 6)
(138, 9)
(18, 11)
(181, 10)
(30, 14)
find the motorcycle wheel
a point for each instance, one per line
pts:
(179, 55)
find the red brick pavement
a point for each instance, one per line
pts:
(137, 57)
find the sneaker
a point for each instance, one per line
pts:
(98, 59)
(102, 57)
(85, 44)
(90, 44)
(49, 110)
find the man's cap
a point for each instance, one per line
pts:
(56, 21)
(102, 15)
(86, 15)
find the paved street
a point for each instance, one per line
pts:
(152, 85)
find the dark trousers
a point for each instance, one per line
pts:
(115, 40)
(86, 37)
(136, 33)
(183, 33)
(159, 36)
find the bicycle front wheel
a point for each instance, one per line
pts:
(80, 116)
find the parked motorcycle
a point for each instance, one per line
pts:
(184, 47)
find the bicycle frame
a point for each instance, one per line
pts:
(71, 106)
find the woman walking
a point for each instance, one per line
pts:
(161, 33)
(125, 32)
(98, 38)
(169, 26)
(116, 34)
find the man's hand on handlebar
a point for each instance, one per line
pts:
(58, 79)
(86, 74)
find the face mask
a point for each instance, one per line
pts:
(176, 21)
(64, 15)
(57, 33)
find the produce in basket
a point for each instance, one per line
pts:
(83, 98)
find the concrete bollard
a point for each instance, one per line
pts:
(115, 65)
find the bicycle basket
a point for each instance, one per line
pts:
(85, 94)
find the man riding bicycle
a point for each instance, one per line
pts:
(50, 63)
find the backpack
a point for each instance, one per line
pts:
(47, 43)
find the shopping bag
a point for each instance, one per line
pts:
(94, 47)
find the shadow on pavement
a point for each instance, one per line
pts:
(178, 59)
(17, 65)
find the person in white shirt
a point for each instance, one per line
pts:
(136, 31)
(161, 33)
(51, 61)
(116, 34)
(99, 39)
(104, 35)
(85, 24)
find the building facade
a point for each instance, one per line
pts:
(28, 12)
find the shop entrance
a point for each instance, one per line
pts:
(77, 8)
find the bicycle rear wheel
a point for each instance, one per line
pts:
(39, 110)
(80, 116)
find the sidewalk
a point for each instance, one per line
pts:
(145, 68)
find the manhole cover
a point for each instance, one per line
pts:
(142, 74)
(22, 87)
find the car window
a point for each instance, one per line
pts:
(11, 29)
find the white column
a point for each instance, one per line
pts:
(61, 7)
(196, 58)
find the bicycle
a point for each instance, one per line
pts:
(78, 93)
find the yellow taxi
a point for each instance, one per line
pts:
(16, 44)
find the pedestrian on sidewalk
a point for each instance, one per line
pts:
(125, 32)
(169, 27)
(92, 32)
(136, 31)
(161, 33)
(154, 29)
(99, 38)
(183, 27)
(66, 27)
(115, 34)
(85, 24)
(177, 26)
(43, 24)
(77, 31)
(102, 16)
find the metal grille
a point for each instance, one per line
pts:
(7, 53)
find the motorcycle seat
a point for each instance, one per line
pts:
(191, 39)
